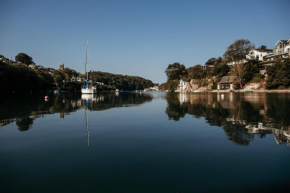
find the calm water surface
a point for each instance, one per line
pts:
(145, 142)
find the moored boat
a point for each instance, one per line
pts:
(88, 87)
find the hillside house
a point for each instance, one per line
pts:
(281, 50)
(259, 53)
(182, 85)
(226, 83)
(32, 66)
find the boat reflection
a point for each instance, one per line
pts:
(25, 109)
(89, 99)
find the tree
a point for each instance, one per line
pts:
(69, 73)
(220, 69)
(279, 75)
(196, 72)
(24, 58)
(210, 62)
(58, 78)
(240, 70)
(170, 85)
(238, 50)
(253, 70)
(175, 71)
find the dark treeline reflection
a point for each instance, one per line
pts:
(241, 115)
(25, 109)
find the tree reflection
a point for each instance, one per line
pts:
(238, 134)
(240, 115)
(25, 108)
(174, 110)
(24, 123)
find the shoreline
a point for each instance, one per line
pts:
(241, 91)
(255, 91)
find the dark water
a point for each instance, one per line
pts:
(145, 142)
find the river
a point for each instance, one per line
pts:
(145, 142)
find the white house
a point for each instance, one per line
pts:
(239, 62)
(281, 50)
(182, 85)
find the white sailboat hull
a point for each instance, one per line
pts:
(89, 90)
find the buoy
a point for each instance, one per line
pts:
(46, 98)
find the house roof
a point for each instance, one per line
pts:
(282, 41)
(264, 50)
(183, 79)
(227, 80)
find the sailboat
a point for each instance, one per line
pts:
(88, 87)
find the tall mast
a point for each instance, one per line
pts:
(87, 60)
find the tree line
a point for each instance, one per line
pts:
(22, 75)
(121, 82)
(278, 75)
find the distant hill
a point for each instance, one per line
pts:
(109, 81)
(17, 77)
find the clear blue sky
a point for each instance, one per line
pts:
(136, 37)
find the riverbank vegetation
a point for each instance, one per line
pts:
(108, 81)
(233, 63)
(23, 75)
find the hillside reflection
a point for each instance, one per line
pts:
(242, 116)
(23, 110)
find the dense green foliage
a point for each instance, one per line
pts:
(175, 71)
(169, 85)
(121, 82)
(220, 68)
(196, 72)
(20, 78)
(23, 58)
(279, 75)
(238, 50)
(253, 68)
(213, 67)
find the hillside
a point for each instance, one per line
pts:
(109, 81)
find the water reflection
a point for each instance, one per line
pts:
(25, 109)
(242, 116)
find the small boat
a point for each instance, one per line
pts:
(117, 90)
(248, 91)
(88, 87)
